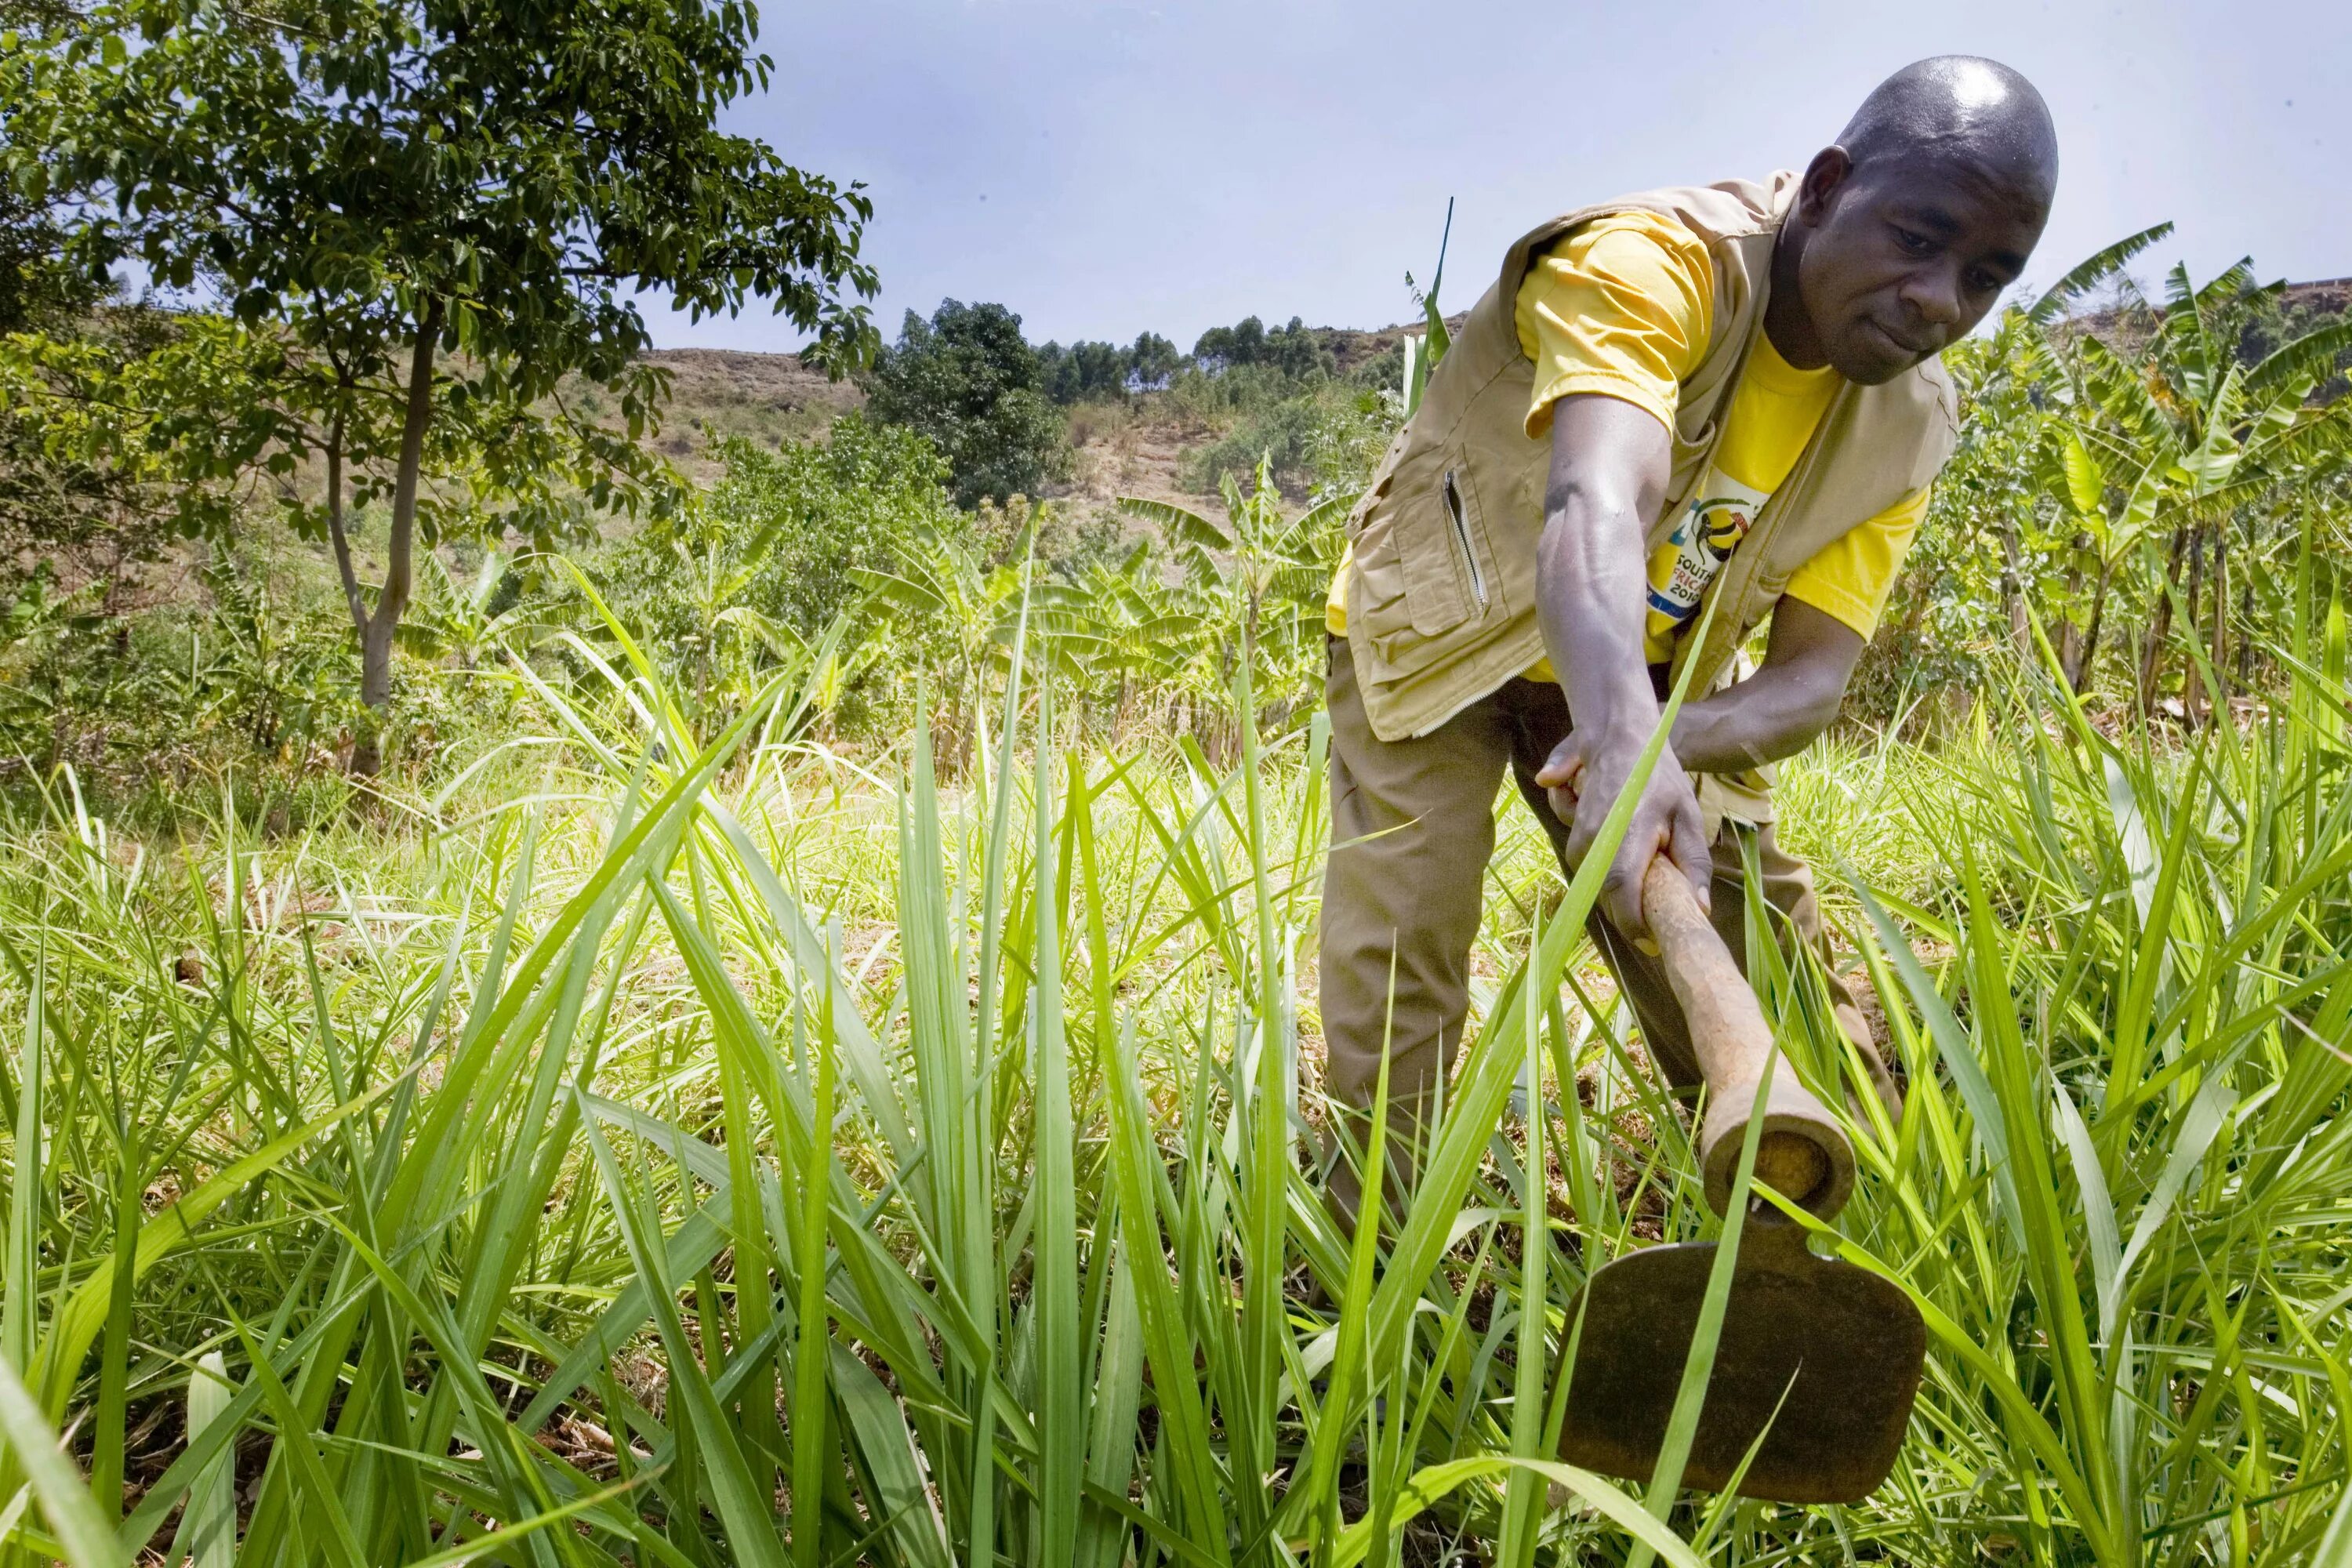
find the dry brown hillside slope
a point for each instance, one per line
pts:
(768, 397)
(1129, 450)
(773, 397)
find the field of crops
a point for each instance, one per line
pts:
(699, 1149)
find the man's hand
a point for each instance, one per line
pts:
(1583, 781)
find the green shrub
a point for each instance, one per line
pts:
(765, 560)
(1324, 439)
(968, 380)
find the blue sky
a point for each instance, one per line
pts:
(1105, 168)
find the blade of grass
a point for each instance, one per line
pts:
(1061, 1409)
(748, 1518)
(812, 1449)
(1523, 1491)
(209, 1524)
(81, 1525)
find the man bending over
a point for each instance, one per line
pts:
(1725, 393)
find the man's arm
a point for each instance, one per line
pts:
(1610, 464)
(1779, 711)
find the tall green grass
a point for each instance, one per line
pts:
(720, 1152)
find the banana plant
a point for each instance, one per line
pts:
(1143, 629)
(953, 613)
(2178, 436)
(1421, 354)
(1253, 589)
(456, 619)
(714, 584)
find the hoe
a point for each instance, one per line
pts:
(1818, 1359)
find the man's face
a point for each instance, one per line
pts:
(1907, 256)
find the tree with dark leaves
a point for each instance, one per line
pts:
(969, 381)
(442, 210)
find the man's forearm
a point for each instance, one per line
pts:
(1772, 714)
(1609, 460)
(1588, 595)
(1609, 465)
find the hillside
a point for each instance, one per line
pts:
(773, 397)
(768, 397)
(1136, 447)
(2298, 308)
(2331, 296)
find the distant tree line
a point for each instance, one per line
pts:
(1295, 350)
(1089, 371)
(968, 380)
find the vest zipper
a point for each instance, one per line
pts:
(1462, 532)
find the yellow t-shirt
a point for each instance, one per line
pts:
(1625, 307)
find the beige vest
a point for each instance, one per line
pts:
(1441, 588)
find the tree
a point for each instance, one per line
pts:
(1223, 348)
(2180, 433)
(968, 380)
(1153, 362)
(54, 342)
(439, 208)
(1083, 371)
(124, 429)
(1293, 350)
(35, 287)
(2121, 471)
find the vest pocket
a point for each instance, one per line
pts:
(1427, 580)
(1451, 493)
(1449, 573)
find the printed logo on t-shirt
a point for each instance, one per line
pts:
(1716, 518)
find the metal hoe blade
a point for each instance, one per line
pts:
(1836, 1350)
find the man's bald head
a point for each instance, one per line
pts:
(1905, 232)
(1960, 106)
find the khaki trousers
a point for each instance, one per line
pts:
(1412, 826)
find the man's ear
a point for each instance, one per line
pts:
(1823, 175)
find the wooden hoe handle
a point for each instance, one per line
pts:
(1804, 1153)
